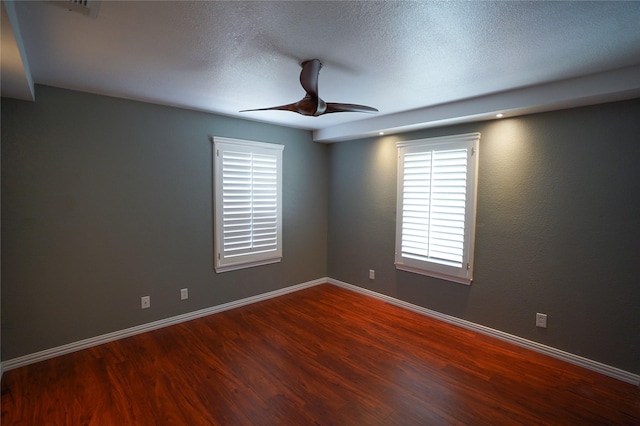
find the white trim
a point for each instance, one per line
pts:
(596, 366)
(247, 143)
(464, 137)
(454, 279)
(128, 332)
(244, 264)
(589, 364)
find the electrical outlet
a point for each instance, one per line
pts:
(372, 274)
(184, 294)
(541, 320)
(145, 302)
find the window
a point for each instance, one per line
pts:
(436, 215)
(247, 182)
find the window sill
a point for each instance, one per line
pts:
(453, 278)
(243, 265)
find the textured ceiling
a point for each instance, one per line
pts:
(417, 62)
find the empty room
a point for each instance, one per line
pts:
(292, 213)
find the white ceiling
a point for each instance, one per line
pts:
(420, 63)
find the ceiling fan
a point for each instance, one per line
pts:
(311, 104)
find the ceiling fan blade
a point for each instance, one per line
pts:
(338, 107)
(309, 76)
(288, 107)
(305, 106)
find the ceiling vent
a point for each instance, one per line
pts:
(86, 7)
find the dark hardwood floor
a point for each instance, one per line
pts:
(323, 355)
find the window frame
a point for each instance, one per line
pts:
(223, 261)
(464, 273)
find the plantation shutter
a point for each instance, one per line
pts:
(248, 206)
(436, 206)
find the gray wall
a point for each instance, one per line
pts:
(105, 200)
(558, 229)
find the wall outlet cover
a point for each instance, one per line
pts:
(541, 320)
(145, 302)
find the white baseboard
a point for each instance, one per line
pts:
(589, 364)
(596, 366)
(121, 334)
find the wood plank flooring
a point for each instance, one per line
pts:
(323, 355)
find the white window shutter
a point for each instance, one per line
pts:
(248, 184)
(436, 206)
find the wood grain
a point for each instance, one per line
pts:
(323, 355)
